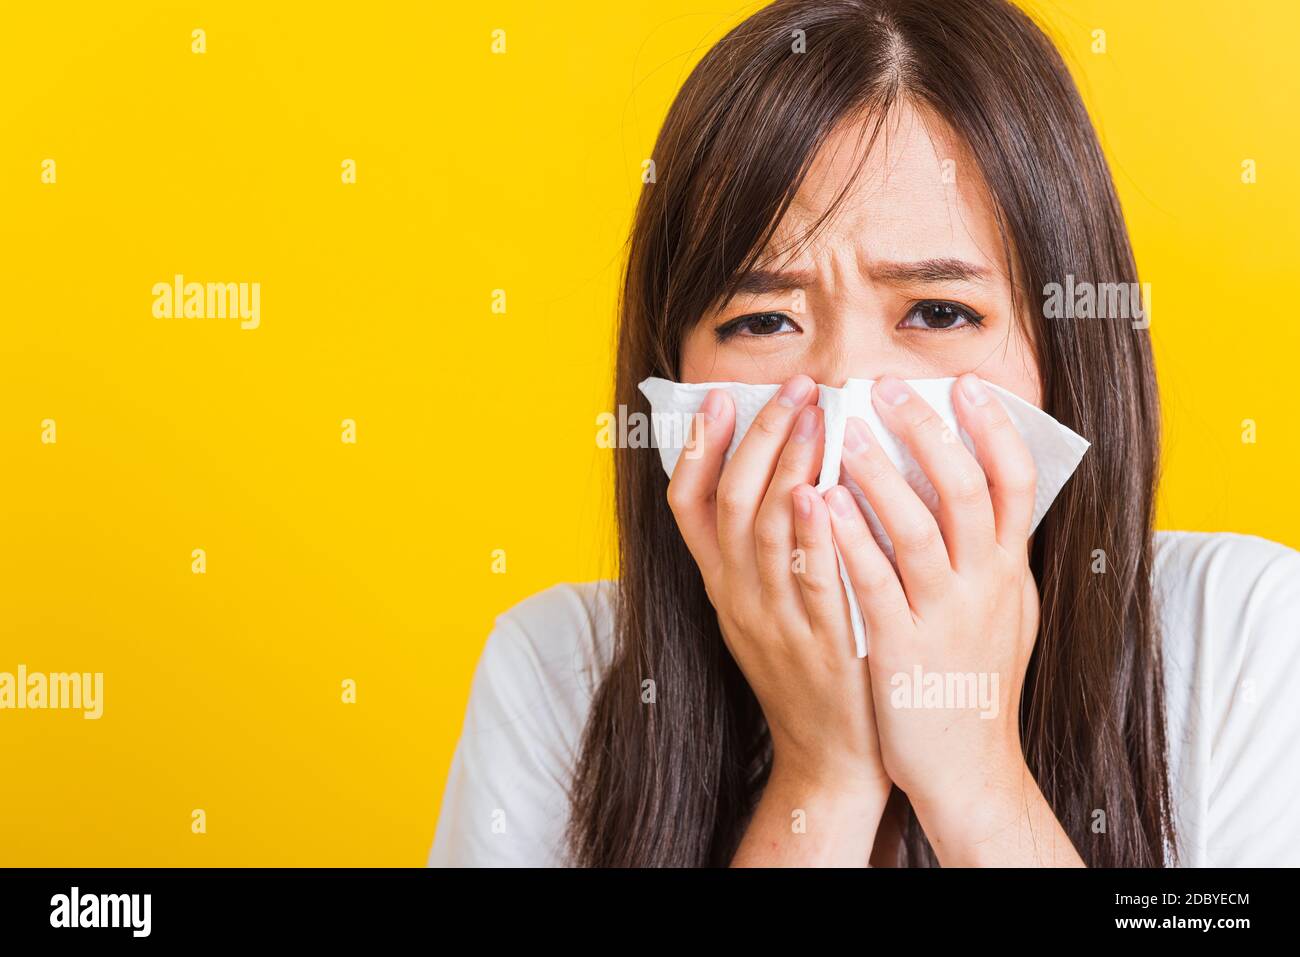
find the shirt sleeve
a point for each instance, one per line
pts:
(1252, 818)
(506, 800)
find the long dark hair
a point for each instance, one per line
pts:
(674, 782)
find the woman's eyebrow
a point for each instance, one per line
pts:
(759, 282)
(928, 270)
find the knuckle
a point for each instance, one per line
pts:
(1009, 569)
(676, 497)
(742, 623)
(875, 469)
(807, 539)
(793, 462)
(852, 532)
(816, 585)
(875, 580)
(925, 419)
(884, 577)
(920, 536)
(1022, 484)
(714, 589)
(769, 536)
(865, 469)
(731, 502)
(999, 423)
(969, 488)
(1008, 435)
(1021, 477)
(766, 424)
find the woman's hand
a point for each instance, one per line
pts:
(951, 632)
(761, 536)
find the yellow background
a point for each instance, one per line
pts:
(476, 430)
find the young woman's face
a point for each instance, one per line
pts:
(909, 279)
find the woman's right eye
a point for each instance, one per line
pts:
(758, 324)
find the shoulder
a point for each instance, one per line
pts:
(561, 635)
(1240, 594)
(542, 662)
(1221, 559)
(1228, 607)
(506, 798)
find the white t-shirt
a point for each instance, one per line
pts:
(1229, 611)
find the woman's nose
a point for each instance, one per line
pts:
(858, 358)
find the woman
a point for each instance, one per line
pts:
(887, 189)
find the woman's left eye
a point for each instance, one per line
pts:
(758, 325)
(937, 314)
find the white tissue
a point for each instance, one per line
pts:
(1056, 449)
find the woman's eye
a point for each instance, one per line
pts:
(760, 324)
(933, 314)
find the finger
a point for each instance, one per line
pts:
(1004, 456)
(880, 594)
(818, 574)
(918, 544)
(745, 479)
(693, 486)
(774, 533)
(965, 509)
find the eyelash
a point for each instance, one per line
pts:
(733, 326)
(969, 317)
(972, 318)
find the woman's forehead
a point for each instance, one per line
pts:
(918, 196)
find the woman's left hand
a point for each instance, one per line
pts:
(959, 618)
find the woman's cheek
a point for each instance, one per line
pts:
(1016, 373)
(738, 361)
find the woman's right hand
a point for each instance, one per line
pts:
(761, 536)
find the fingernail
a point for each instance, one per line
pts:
(712, 407)
(841, 501)
(802, 502)
(974, 390)
(857, 437)
(892, 391)
(806, 425)
(793, 391)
